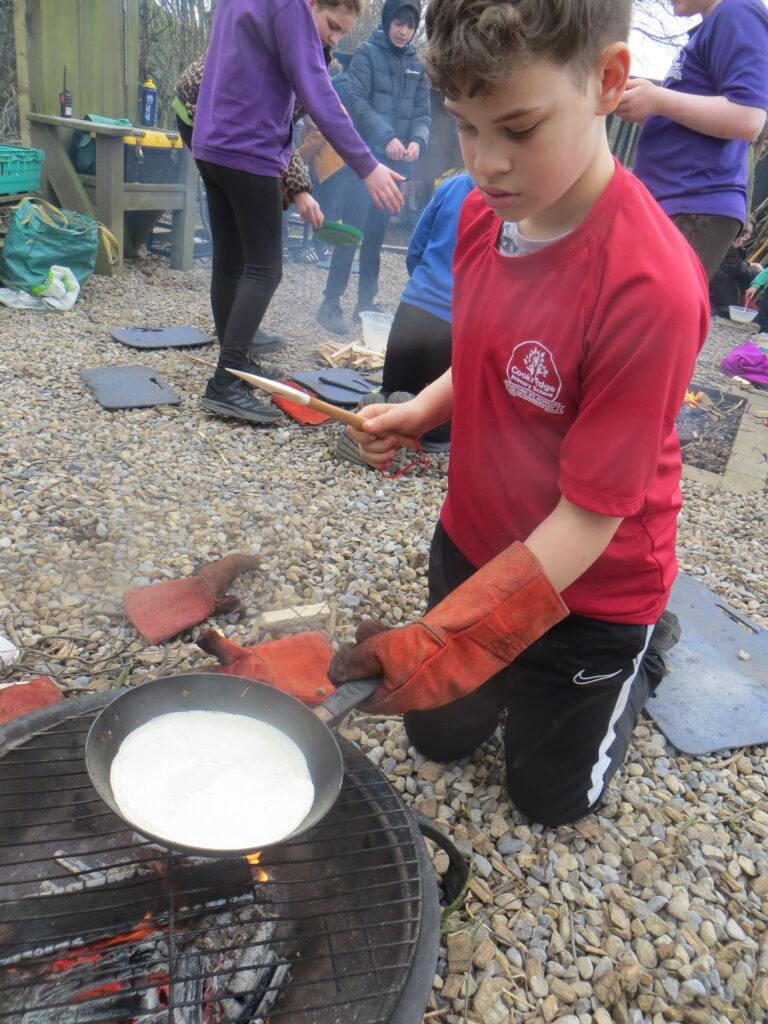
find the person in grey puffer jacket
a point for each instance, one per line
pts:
(387, 95)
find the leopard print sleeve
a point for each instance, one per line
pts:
(188, 86)
(295, 179)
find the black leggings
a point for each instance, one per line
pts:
(418, 352)
(245, 212)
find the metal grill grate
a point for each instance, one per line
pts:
(98, 925)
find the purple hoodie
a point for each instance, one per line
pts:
(262, 54)
(684, 170)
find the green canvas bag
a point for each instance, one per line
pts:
(41, 235)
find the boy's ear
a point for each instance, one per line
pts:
(612, 69)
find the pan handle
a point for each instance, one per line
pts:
(345, 698)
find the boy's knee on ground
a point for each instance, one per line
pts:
(553, 806)
(447, 734)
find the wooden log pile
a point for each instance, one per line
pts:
(352, 354)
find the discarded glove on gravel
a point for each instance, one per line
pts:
(297, 665)
(164, 609)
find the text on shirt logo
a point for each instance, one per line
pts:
(532, 375)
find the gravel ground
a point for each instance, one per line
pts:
(655, 909)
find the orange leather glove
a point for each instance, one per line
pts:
(297, 665)
(162, 610)
(469, 636)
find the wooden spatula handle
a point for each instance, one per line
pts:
(355, 420)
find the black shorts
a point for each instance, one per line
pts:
(572, 699)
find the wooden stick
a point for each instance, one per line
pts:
(197, 359)
(301, 398)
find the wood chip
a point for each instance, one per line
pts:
(297, 616)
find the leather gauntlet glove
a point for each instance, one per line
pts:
(164, 609)
(464, 640)
(297, 665)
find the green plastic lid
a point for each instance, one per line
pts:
(335, 233)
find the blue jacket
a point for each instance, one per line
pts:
(389, 97)
(430, 253)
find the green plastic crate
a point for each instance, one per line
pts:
(20, 169)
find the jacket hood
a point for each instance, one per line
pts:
(391, 7)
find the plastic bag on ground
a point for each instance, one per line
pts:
(59, 291)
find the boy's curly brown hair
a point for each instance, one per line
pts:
(474, 45)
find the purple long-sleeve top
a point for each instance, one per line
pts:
(262, 54)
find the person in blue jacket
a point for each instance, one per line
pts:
(387, 94)
(419, 343)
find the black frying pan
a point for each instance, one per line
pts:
(208, 691)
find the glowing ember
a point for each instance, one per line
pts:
(86, 953)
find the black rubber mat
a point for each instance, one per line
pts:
(128, 387)
(160, 337)
(340, 386)
(715, 696)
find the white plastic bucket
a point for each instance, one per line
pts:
(375, 329)
(739, 314)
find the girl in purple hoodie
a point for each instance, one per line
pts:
(262, 55)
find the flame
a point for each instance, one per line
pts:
(694, 398)
(253, 859)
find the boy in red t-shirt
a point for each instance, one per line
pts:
(579, 311)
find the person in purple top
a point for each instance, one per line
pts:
(262, 55)
(692, 148)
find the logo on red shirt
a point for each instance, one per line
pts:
(532, 375)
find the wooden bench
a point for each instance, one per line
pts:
(106, 197)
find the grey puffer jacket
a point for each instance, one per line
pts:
(388, 95)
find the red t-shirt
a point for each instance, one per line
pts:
(570, 365)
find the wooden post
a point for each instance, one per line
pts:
(183, 221)
(109, 196)
(22, 68)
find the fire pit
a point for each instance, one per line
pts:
(707, 425)
(340, 924)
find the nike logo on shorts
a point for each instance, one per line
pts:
(580, 679)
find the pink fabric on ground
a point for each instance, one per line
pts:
(747, 361)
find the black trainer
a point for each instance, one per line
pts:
(236, 399)
(666, 633)
(262, 369)
(331, 317)
(264, 342)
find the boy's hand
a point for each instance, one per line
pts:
(378, 441)
(395, 150)
(413, 152)
(382, 184)
(464, 640)
(749, 295)
(639, 100)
